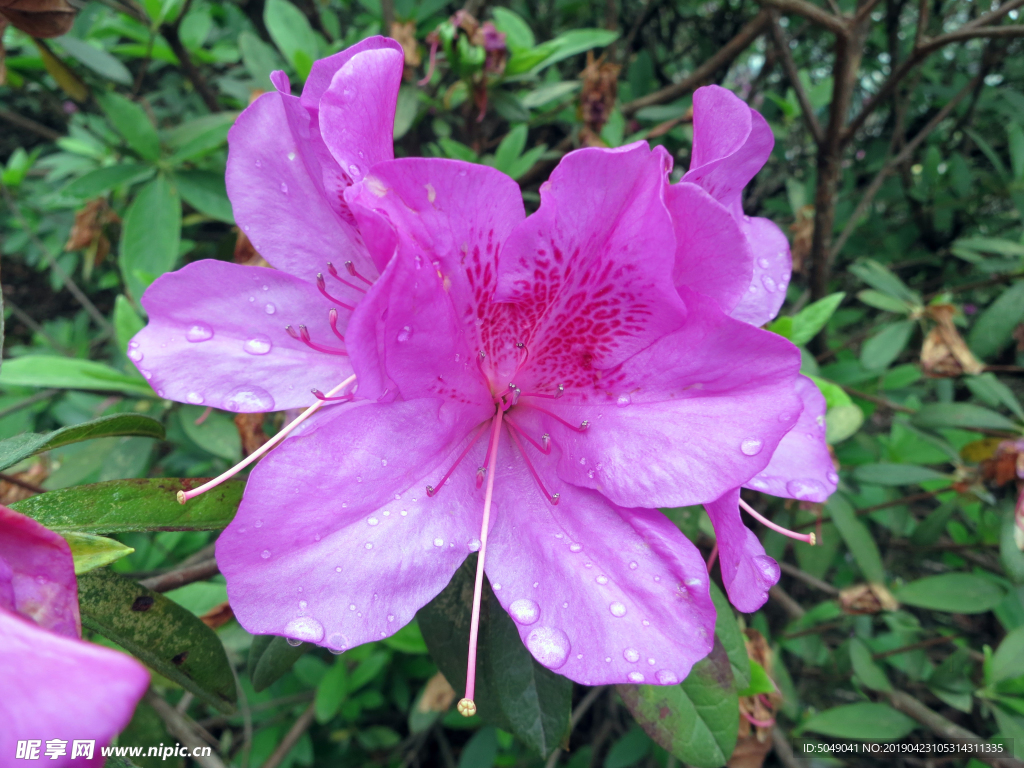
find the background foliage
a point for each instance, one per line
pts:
(898, 173)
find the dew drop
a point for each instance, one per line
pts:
(753, 289)
(305, 628)
(303, 604)
(359, 478)
(549, 646)
(293, 642)
(258, 345)
(249, 399)
(694, 583)
(258, 524)
(751, 446)
(623, 401)
(474, 545)
(352, 606)
(383, 462)
(768, 283)
(657, 578)
(259, 163)
(574, 547)
(199, 332)
(633, 565)
(438, 542)
(391, 617)
(583, 460)
(646, 623)
(805, 490)
(369, 545)
(618, 610)
(601, 579)
(194, 397)
(148, 375)
(291, 155)
(404, 512)
(666, 677)
(565, 605)
(497, 586)
(768, 567)
(631, 655)
(387, 513)
(758, 483)
(405, 334)
(636, 677)
(354, 170)
(831, 476)
(284, 187)
(265, 554)
(372, 521)
(270, 309)
(763, 263)
(135, 355)
(337, 569)
(524, 611)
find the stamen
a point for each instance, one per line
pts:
(481, 473)
(303, 336)
(431, 489)
(321, 396)
(322, 287)
(425, 80)
(758, 723)
(552, 497)
(712, 557)
(204, 415)
(581, 428)
(332, 315)
(466, 706)
(810, 538)
(521, 345)
(558, 394)
(352, 271)
(184, 496)
(340, 279)
(544, 446)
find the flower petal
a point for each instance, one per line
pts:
(731, 143)
(56, 687)
(599, 593)
(747, 572)
(336, 541)
(773, 265)
(286, 189)
(324, 70)
(216, 336)
(713, 256)
(42, 574)
(801, 467)
(357, 111)
(687, 419)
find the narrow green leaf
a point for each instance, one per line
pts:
(883, 301)
(331, 691)
(510, 148)
(90, 552)
(518, 35)
(206, 192)
(14, 449)
(96, 59)
(993, 329)
(869, 673)
(160, 633)
(259, 58)
(886, 281)
(698, 720)
(759, 681)
(150, 235)
(885, 346)
(959, 416)
(857, 537)
(70, 373)
(865, 721)
(290, 30)
(811, 319)
(727, 630)
(896, 474)
(132, 122)
(952, 592)
(102, 180)
(273, 658)
(120, 506)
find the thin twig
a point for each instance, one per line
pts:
(915, 646)
(46, 394)
(181, 728)
(880, 401)
(294, 734)
(821, 17)
(782, 46)
(192, 72)
(577, 714)
(787, 603)
(29, 124)
(813, 581)
(28, 320)
(885, 505)
(21, 483)
(182, 576)
(783, 750)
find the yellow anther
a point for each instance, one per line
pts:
(813, 540)
(466, 707)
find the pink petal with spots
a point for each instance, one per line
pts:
(336, 541)
(772, 266)
(56, 687)
(801, 467)
(747, 572)
(216, 336)
(41, 574)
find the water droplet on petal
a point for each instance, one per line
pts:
(135, 355)
(199, 332)
(665, 677)
(753, 289)
(258, 345)
(574, 547)
(805, 490)
(694, 583)
(305, 628)
(549, 646)
(391, 617)
(832, 477)
(623, 401)
(438, 542)
(249, 399)
(524, 611)
(618, 610)
(148, 375)
(474, 545)
(291, 155)
(354, 170)
(763, 263)
(303, 603)
(372, 521)
(270, 309)
(631, 655)
(194, 397)
(636, 677)
(258, 524)
(337, 569)
(293, 642)
(405, 334)
(265, 554)
(369, 545)
(751, 446)
(602, 579)
(352, 607)
(768, 568)
(497, 586)
(383, 462)
(633, 565)
(768, 283)
(284, 187)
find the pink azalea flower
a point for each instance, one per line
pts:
(744, 264)
(54, 685)
(250, 339)
(529, 389)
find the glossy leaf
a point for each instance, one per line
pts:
(96, 59)
(885, 346)
(102, 180)
(150, 235)
(70, 373)
(291, 33)
(895, 474)
(960, 416)
(90, 552)
(160, 633)
(952, 592)
(270, 657)
(728, 632)
(14, 449)
(865, 721)
(132, 122)
(994, 327)
(205, 191)
(857, 537)
(121, 506)
(867, 671)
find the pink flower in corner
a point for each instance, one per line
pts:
(529, 389)
(54, 685)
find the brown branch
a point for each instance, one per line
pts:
(182, 728)
(28, 320)
(209, 97)
(865, 10)
(879, 401)
(29, 124)
(181, 576)
(46, 394)
(806, 578)
(819, 16)
(723, 57)
(291, 738)
(782, 46)
(783, 750)
(904, 154)
(915, 646)
(885, 505)
(787, 603)
(21, 483)
(923, 9)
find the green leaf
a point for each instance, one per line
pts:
(259, 58)
(150, 236)
(121, 506)
(90, 552)
(200, 136)
(409, 639)
(216, 434)
(160, 633)
(842, 422)
(70, 373)
(896, 474)
(102, 180)
(367, 670)
(132, 122)
(864, 721)
(991, 391)
(96, 59)
(884, 301)
(545, 94)
(857, 537)
(993, 329)
(406, 109)
(811, 319)
(270, 657)
(573, 42)
(513, 691)
(510, 148)
(869, 673)
(456, 150)
(289, 29)
(759, 681)
(518, 35)
(331, 691)
(14, 449)
(960, 416)
(1008, 660)
(206, 192)
(885, 346)
(952, 592)
(728, 632)
(629, 750)
(697, 720)
(126, 322)
(883, 279)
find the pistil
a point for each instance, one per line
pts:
(466, 705)
(810, 538)
(184, 496)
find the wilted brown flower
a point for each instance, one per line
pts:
(757, 713)
(405, 33)
(250, 429)
(867, 599)
(88, 230)
(944, 352)
(38, 18)
(597, 96)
